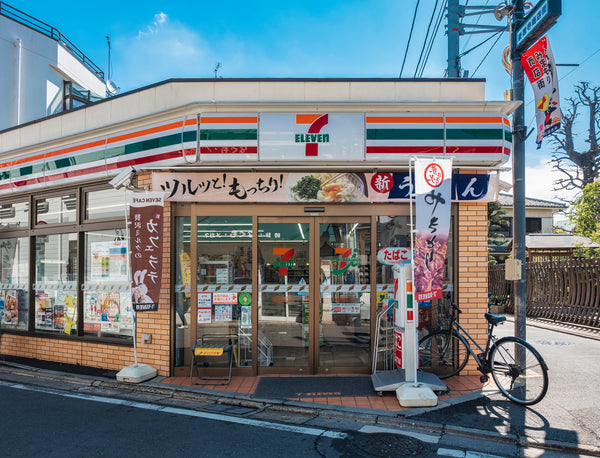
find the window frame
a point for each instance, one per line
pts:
(80, 226)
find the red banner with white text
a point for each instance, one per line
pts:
(538, 65)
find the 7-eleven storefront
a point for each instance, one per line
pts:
(275, 211)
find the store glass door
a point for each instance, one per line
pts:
(284, 251)
(344, 297)
(307, 329)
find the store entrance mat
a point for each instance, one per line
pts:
(310, 387)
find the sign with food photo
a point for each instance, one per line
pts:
(315, 187)
(432, 207)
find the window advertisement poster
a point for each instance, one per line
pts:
(55, 309)
(2, 296)
(44, 315)
(204, 308)
(10, 311)
(223, 303)
(109, 261)
(245, 301)
(146, 242)
(432, 207)
(223, 312)
(107, 311)
(110, 311)
(91, 311)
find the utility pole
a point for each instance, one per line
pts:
(453, 38)
(520, 286)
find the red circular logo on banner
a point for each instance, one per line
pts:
(434, 175)
(382, 182)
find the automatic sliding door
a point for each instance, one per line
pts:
(283, 292)
(345, 295)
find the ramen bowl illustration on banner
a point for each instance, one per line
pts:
(326, 187)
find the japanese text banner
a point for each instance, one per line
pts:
(538, 65)
(433, 188)
(146, 242)
(316, 187)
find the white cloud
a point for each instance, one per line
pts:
(163, 49)
(539, 184)
(151, 29)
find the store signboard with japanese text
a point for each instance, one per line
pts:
(319, 187)
(432, 207)
(146, 240)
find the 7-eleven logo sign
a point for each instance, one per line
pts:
(286, 256)
(313, 137)
(349, 257)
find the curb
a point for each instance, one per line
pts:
(372, 416)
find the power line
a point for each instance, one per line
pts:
(426, 37)
(489, 51)
(409, 37)
(482, 43)
(438, 23)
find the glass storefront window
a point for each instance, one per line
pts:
(224, 280)
(183, 278)
(55, 286)
(59, 209)
(14, 216)
(14, 283)
(107, 309)
(105, 203)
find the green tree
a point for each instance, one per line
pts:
(585, 214)
(496, 222)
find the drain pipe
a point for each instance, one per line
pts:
(19, 46)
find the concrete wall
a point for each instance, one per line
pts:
(44, 64)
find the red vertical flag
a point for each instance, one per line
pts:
(538, 65)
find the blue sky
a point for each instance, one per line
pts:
(156, 40)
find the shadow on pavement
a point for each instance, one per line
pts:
(497, 414)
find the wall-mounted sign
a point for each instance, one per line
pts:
(314, 136)
(538, 22)
(318, 187)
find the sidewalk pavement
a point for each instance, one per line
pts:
(466, 396)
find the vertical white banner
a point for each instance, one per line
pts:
(433, 195)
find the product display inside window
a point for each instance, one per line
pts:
(14, 283)
(55, 288)
(224, 282)
(107, 308)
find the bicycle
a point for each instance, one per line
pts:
(517, 368)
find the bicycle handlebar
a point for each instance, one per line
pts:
(454, 306)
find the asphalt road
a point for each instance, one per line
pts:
(570, 411)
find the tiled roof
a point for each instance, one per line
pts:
(506, 200)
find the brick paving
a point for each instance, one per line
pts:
(458, 386)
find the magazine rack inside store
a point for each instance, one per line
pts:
(208, 347)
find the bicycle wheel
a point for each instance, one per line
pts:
(442, 353)
(519, 371)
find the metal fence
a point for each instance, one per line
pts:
(565, 290)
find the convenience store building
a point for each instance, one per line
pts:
(279, 193)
